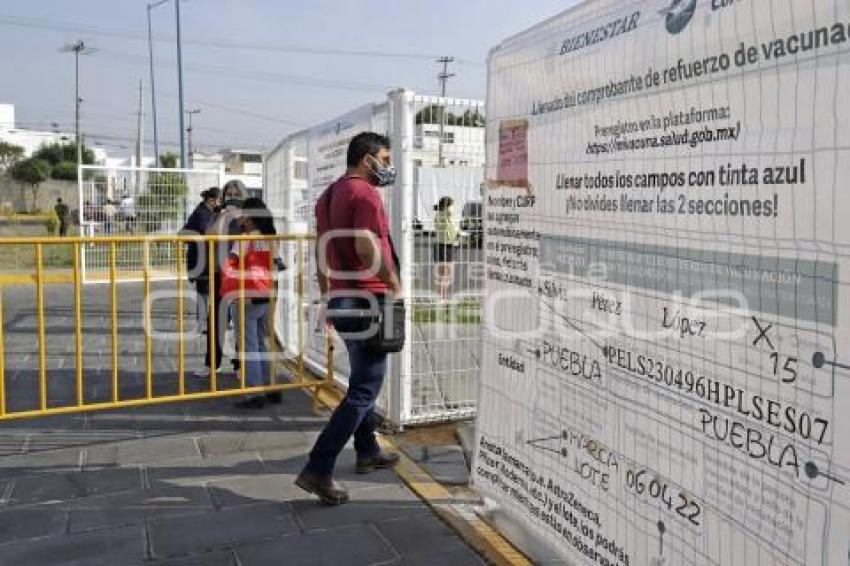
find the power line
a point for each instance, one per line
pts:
(248, 113)
(443, 77)
(52, 25)
(264, 76)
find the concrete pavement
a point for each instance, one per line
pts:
(179, 484)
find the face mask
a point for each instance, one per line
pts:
(233, 201)
(385, 175)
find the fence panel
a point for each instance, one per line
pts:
(68, 348)
(447, 277)
(435, 378)
(136, 201)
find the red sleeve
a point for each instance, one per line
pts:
(368, 214)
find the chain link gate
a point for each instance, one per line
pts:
(136, 201)
(438, 150)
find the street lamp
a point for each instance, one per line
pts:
(153, 86)
(180, 84)
(78, 48)
(189, 113)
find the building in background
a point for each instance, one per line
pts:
(31, 140)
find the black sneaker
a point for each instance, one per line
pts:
(379, 461)
(251, 403)
(327, 490)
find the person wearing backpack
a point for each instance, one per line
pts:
(197, 265)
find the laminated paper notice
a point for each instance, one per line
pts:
(513, 154)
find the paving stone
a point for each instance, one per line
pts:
(313, 515)
(245, 490)
(100, 481)
(381, 492)
(289, 461)
(30, 522)
(39, 463)
(49, 488)
(157, 449)
(457, 557)
(359, 545)
(446, 464)
(215, 558)
(177, 536)
(192, 472)
(276, 439)
(12, 444)
(229, 442)
(419, 534)
(136, 506)
(123, 546)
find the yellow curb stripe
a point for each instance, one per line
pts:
(468, 525)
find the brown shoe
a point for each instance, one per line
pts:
(327, 490)
(379, 461)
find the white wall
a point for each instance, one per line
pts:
(7, 116)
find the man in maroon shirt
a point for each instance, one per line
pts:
(356, 269)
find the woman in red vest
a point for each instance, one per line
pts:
(257, 276)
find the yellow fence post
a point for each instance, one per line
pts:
(299, 261)
(241, 353)
(272, 338)
(146, 276)
(113, 289)
(211, 326)
(42, 340)
(2, 358)
(181, 352)
(78, 325)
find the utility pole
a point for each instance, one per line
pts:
(180, 85)
(140, 137)
(444, 79)
(153, 83)
(78, 48)
(189, 113)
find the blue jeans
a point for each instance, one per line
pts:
(256, 341)
(354, 415)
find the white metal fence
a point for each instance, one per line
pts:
(116, 201)
(438, 150)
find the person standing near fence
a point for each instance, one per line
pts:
(448, 237)
(109, 212)
(224, 223)
(197, 265)
(63, 213)
(257, 257)
(355, 270)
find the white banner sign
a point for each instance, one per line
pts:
(328, 145)
(666, 366)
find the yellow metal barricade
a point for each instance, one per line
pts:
(216, 250)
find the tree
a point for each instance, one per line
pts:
(433, 114)
(9, 155)
(32, 172)
(64, 171)
(472, 119)
(60, 155)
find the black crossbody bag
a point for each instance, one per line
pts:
(389, 320)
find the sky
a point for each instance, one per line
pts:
(257, 69)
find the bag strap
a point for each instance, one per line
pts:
(396, 264)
